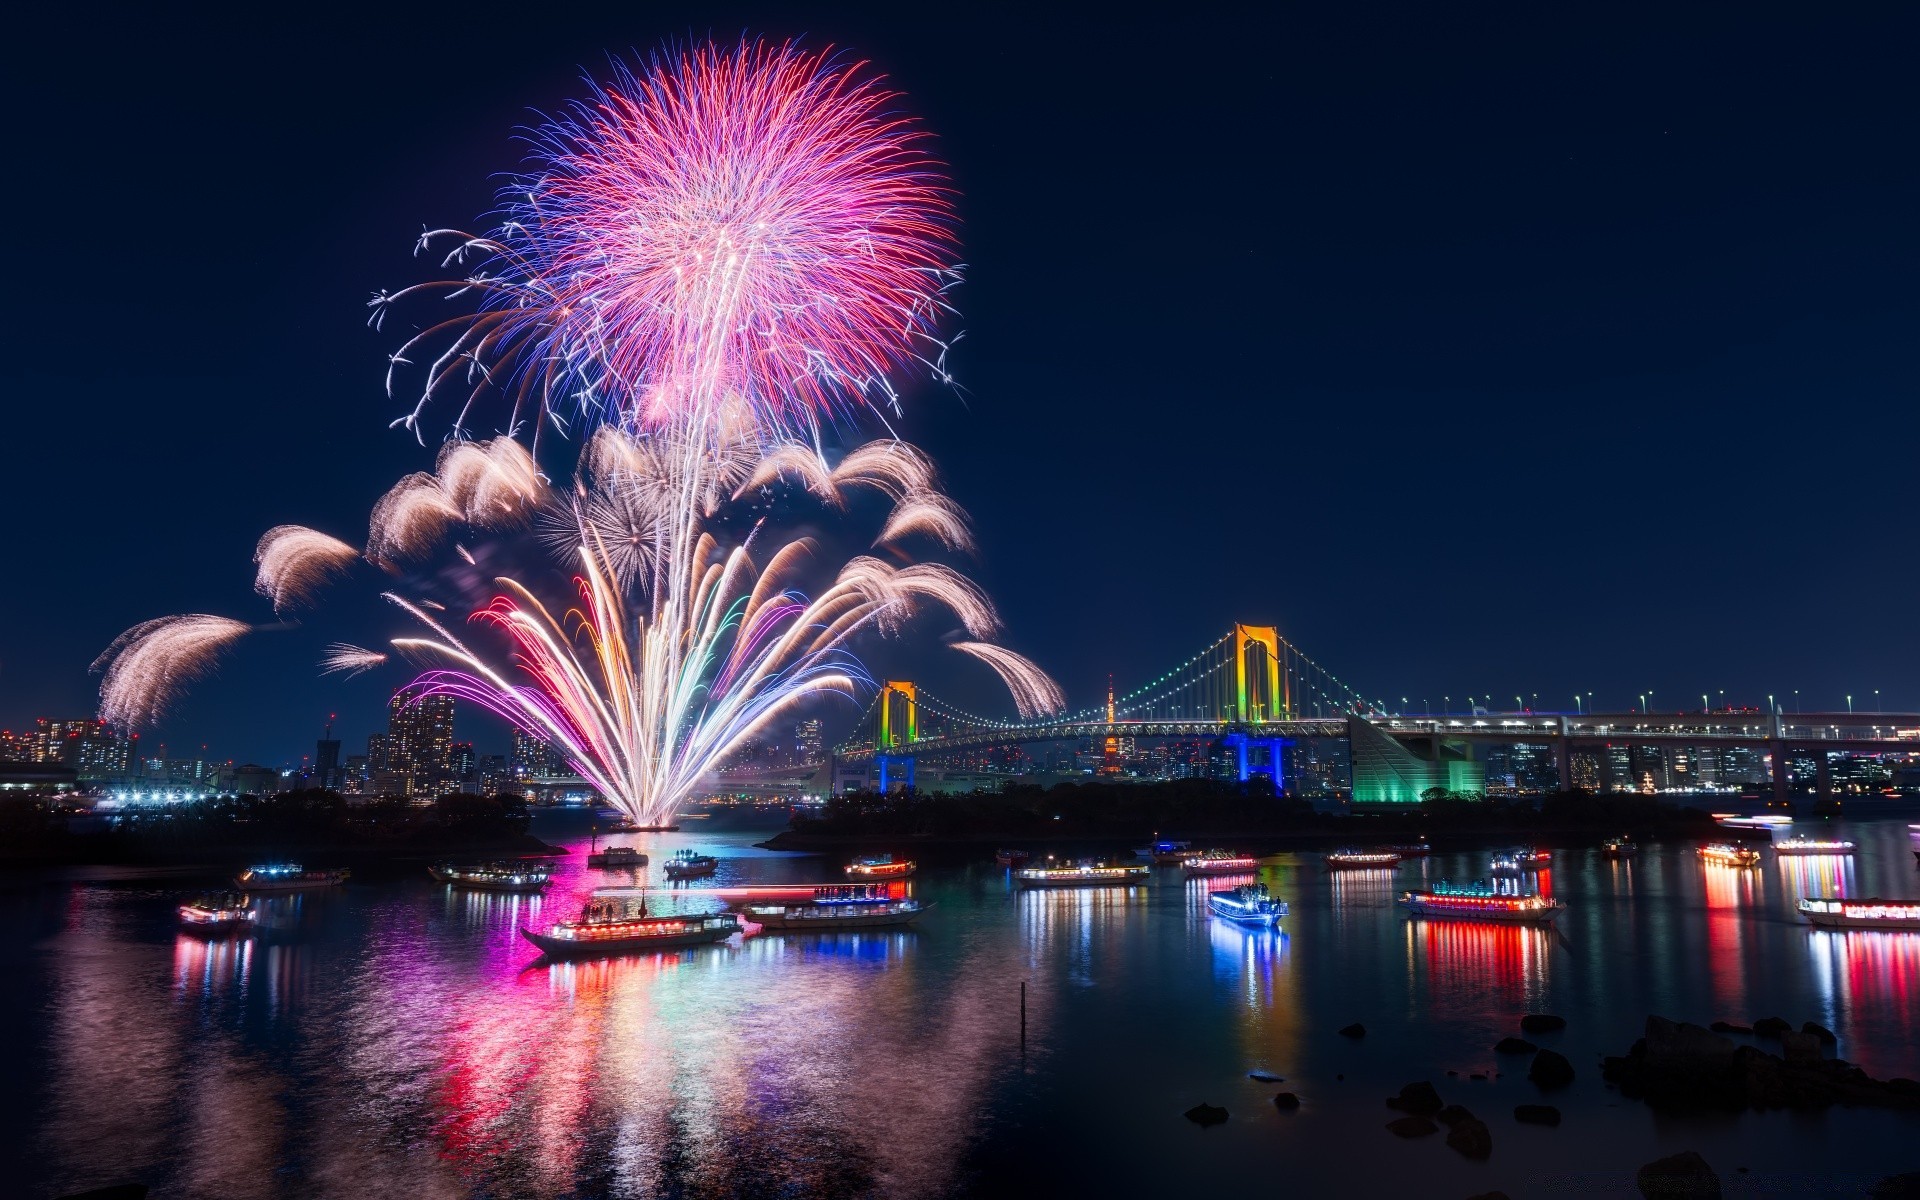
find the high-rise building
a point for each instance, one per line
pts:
(460, 765)
(532, 756)
(326, 761)
(808, 750)
(496, 776)
(94, 749)
(420, 742)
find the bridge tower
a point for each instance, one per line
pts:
(1271, 699)
(892, 750)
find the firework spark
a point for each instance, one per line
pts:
(350, 660)
(1034, 693)
(147, 667)
(754, 224)
(296, 562)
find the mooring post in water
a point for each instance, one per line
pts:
(1023, 1016)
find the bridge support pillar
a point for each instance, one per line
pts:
(1563, 762)
(1823, 775)
(1276, 757)
(894, 770)
(1782, 779)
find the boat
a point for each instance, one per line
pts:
(685, 864)
(1348, 860)
(494, 876)
(604, 930)
(1165, 854)
(287, 877)
(1011, 858)
(839, 906)
(1619, 848)
(218, 912)
(1798, 845)
(1419, 849)
(630, 827)
(1520, 858)
(1478, 902)
(1248, 904)
(1084, 874)
(1838, 912)
(616, 856)
(879, 866)
(1725, 854)
(1219, 862)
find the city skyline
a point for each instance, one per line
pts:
(1634, 347)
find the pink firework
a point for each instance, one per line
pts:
(751, 224)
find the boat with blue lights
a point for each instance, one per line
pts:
(685, 864)
(1840, 912)
(1166, 854)
(879, 866)
(1479, 902)
(604, 930)
(1248, 904)
(1083, 874)
(838, 906)
(494, 876)
(287, 877)
(218, 912)
(1520, 858)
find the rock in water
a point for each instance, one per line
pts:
(1729, 1027)
(1471, 1137)
(1799, 1048)
(1286, 1101)
(1411, 1127)
(1550, 1070)
(1513, 1045)
(1826, 1038)
(1206, 1114)
(1452, 1115)
(1536, 1114)
(1264, 1077)
(1355, 1030)
(1417, 1098)
(1770, 1027)
(1685, 1174)
(1542, 1023)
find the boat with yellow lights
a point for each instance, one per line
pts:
(1219, 862)
(614, 858)
(604, 930)
(1083, 874)
(287, 877)
(838, 906)
(218, 912)
(1726, 854)
(494, 876)
(1478, 902)
(1619, 848)
(1362, 860)
(879, 866)
(1839, 912)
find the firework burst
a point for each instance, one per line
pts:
(754, 224)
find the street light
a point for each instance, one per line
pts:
(1849, 705)
(1577, 707)
(1643, 704)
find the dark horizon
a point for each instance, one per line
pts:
(1483, 356)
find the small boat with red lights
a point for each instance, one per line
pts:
(1011, 858)
(1811, 846)
(1478, 902)
(1248, 904)
(1839, 912)
(839, 906)
(604, 930)
(494, 876)
(287, 877)
(1726, 854)
(1362, 860)
(1082, 874)
(879, 866)
(685, 864)
(1219, 862)
(218, 912)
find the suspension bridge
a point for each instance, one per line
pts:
(1253, 694)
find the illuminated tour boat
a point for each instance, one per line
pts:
(1362, 859)
(1166, 854)
(879, 866)
(839, 906)
(494, 876)
(1725, 854)
(218, 912)
(1799, 845)
(1837, 912)
(1521, 858)
(604, 930)
(1478, 902)
(685, 864)
(1219, 862)
(287, 877)
(1419, 849)
(1619, 848)
(1084, 874)
(1248, 904)
(616, 856)
(1011, 858)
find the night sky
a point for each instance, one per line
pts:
(1484, 354)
